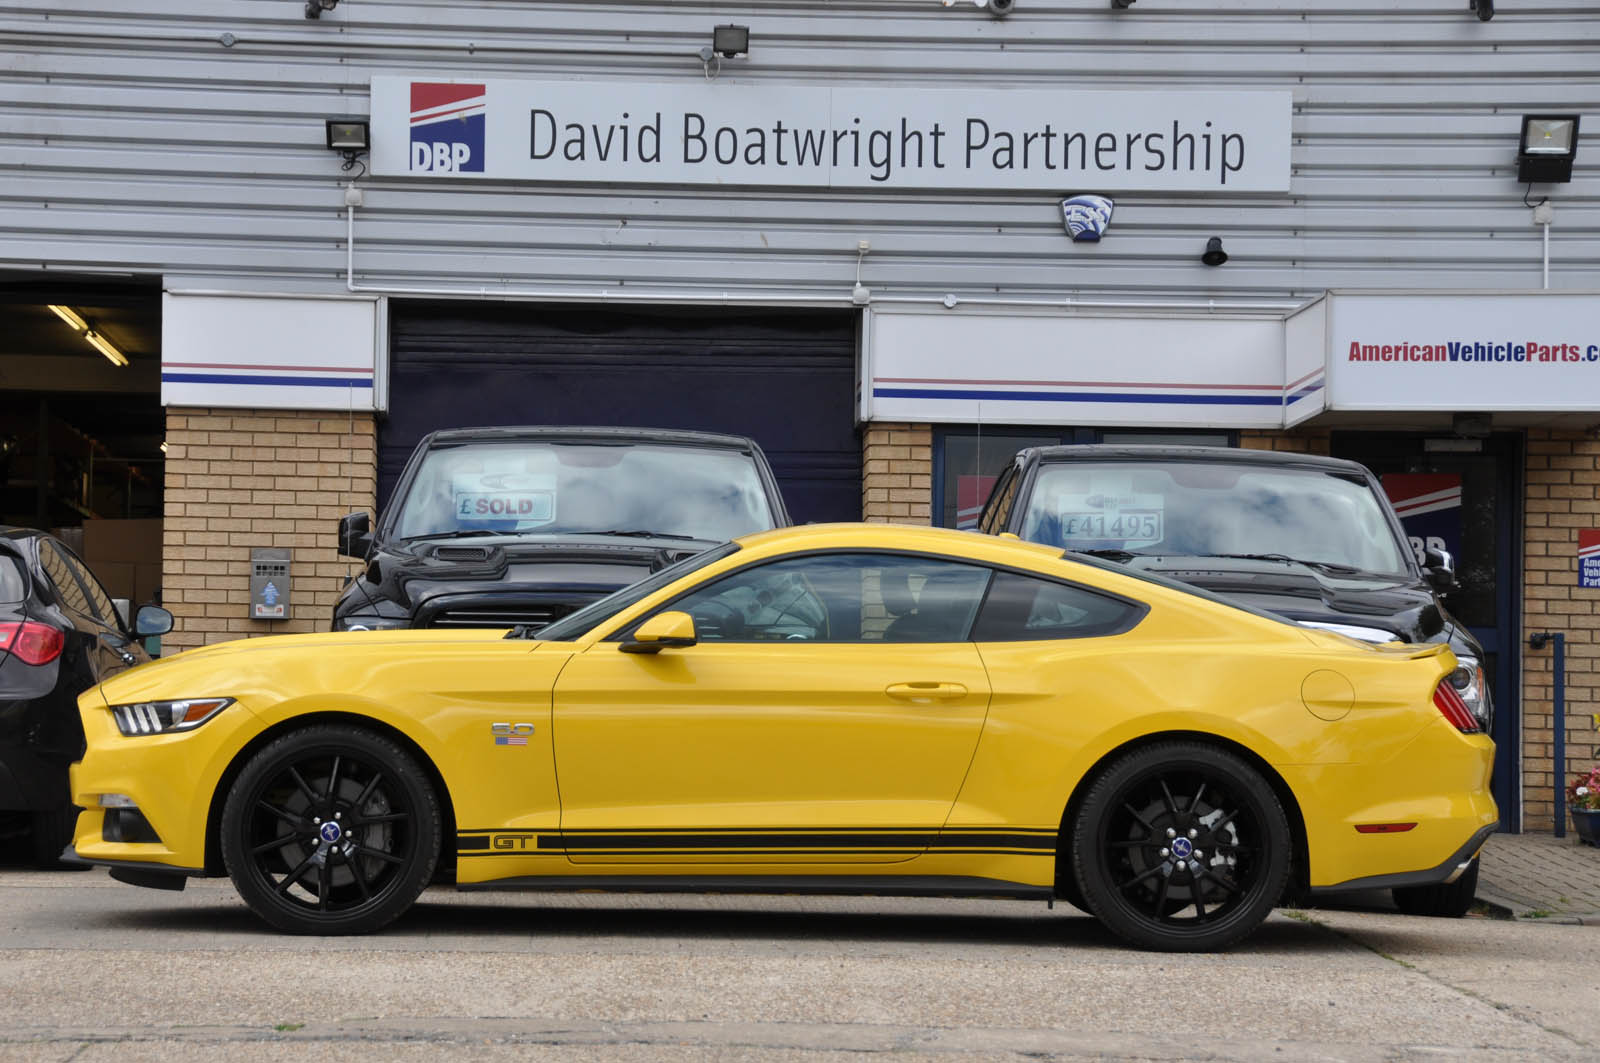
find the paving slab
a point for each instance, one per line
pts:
(1540, 876)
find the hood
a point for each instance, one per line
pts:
(1403, 606)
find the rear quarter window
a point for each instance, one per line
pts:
(1021, 609)
(13, 585)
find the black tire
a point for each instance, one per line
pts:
(1137, 832)
(1448, 900)
(52, 831)
(330, 830)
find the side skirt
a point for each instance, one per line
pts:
(825, 885)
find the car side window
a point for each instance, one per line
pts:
(866, 597)
(68, 589)
(993, 520)
(102, 606)
(1021, 609)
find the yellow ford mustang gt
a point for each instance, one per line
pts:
(839, 709)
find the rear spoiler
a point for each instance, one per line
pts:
(1412, 651)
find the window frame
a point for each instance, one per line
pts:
(1138, 609)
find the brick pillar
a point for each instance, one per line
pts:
(240, 479)
(897, 474)
(1563, 495)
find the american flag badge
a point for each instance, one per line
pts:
(511, 734)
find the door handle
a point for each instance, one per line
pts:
(924, 693)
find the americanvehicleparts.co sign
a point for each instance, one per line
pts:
(727, 133)
(1457, 351)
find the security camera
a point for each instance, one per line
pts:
(1484, 9)
(1001, 8)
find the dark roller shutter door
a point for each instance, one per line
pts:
(784, 378)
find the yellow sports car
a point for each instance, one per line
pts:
(835, 709)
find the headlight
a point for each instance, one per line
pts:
(1470, 682)
(369, 622)
(162, 717)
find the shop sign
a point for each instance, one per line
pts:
(268, 351)
(724, 132)
(978, 367)
(1589, 557)
(1481, 351)
(1429, 508)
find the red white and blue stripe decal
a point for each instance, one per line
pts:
(315, 376)
(1415, 499)
(1173, 393)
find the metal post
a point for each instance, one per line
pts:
(1558, 728)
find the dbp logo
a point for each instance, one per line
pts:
(1086, 217)
(447, 127)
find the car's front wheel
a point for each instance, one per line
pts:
(330, 829)
(1182, 847)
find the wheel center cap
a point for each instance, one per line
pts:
(1182, 848)
(330, 832)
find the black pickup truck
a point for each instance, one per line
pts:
(1309, 538)
(496, 527)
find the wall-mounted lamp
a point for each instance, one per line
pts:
(83, 328)
(727, 42)
(315, 8)
(1484, 9)
(1214, 254)
(351, 137)
(1122, 5)
(1549, 144)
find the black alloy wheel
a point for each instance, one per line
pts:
(330, 830)
(1181, 847)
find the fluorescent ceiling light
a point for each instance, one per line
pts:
(103, 345)
(67, 314)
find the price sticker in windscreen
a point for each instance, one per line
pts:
(1111, 521)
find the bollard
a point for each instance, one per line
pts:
(1558, 687)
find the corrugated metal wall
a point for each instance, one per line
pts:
(132, 137)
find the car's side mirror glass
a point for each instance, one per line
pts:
(152, 620)
(660, 631)
(355, 534)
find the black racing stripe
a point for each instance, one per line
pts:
(463, 842)
(990, 841)
(503, 830)
(746, 841)
(769, 852)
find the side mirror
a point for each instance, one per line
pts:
(355, 535)
(152, 620)
(1439, 569)
(661, 631)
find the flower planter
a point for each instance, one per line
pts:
(1586, 821)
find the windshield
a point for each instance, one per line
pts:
(1204, 509)
(532, 487)
(585, 619)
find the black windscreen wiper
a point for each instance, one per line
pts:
(638, 533)
(460, 533)
(1112, 554)
(1321, 566)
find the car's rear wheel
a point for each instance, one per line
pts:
(1448, 900)
(330, 830)
(1182, 847)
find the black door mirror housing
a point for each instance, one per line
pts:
(1439, 569)
(355, 535)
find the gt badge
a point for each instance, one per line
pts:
(511, 734)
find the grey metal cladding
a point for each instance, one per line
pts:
(132, 138)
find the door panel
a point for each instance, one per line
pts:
(790, 752)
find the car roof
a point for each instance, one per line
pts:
(901, 537)
(590, 433)
(1167, 452)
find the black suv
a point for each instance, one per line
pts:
(1309, 538)
(499, 527)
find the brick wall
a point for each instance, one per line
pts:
(1563, 495)
(240, 479)
(1301, 441)
(897, 474)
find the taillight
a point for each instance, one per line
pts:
(1447, 701)
(34, 643)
